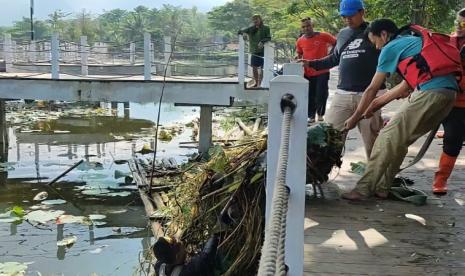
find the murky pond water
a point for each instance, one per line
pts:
(102, 213)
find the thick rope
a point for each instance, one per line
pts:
(272, 260)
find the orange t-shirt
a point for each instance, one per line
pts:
(314, 47)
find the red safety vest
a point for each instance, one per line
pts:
(439, 56)
(460, 98)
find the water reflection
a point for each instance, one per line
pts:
(109, 248)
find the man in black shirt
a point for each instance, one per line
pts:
(357, 59)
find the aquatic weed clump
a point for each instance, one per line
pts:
(324, 151)
(224, 194)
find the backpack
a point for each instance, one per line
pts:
(439, 56)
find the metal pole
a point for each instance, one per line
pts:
(32, 19)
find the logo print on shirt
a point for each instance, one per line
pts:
(355, 44)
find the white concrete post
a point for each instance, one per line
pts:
(32, 52)
(132, 53)
(55, 57)
(295, 69)
(8, 53)
(13, 50)
(147, 59)
(268, 64)
(153, 68)
(205, 128)
(296, 169)
(242, 64)
(168, 49)
(84, 56)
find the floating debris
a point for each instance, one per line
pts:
(54, 202)
(97, 217)
(67, 241)
(40, 196)
(145, 149)
(419, 219)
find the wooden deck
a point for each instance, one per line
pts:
(376, 238)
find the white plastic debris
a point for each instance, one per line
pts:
(40, 196)
(70, 240)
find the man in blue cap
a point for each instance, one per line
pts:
(357, 60)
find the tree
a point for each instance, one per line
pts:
(231, 17)
(56, 21)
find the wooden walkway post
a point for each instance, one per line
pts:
(295, 178)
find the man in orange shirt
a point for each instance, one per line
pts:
(454, 124)
(315, 45)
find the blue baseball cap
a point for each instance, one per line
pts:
(350, 7)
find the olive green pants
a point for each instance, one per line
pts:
(422, 111)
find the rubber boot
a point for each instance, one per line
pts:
(446, 165)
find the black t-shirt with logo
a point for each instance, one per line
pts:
(357, 59)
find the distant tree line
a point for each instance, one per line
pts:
(283, 16)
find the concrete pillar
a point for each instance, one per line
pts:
(32, 52)
(132, 53)
(127, 110)
(8, 53)
(13, 51)
(147, 59)
(55, 57)
(168, 49)
(268, 64)
(242, 65)
(295, 69)
(205, 128)
(3, 133)
(295, 178)
(84, 56)
(153, 68)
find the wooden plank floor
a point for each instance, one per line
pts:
(375, 237)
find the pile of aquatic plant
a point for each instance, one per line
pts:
(224, 194)
(324, 151)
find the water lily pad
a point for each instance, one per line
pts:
(54, 202)
(42, 216)
(13, 268)
(9, 217)
(67, 241)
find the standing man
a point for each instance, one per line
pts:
(314, 45)
(258, 34)
(357, 59)
(454, 124)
